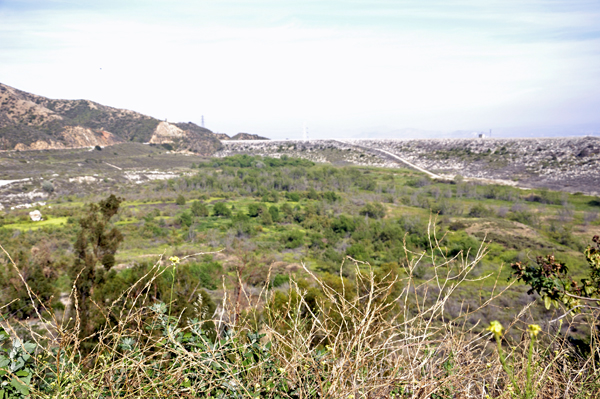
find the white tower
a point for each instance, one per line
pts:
(305, 133)
(202, 120)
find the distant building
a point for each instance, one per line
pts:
(35, 216)
(481, 135)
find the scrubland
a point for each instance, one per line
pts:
(277, 277)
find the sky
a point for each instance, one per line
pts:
(342, 68)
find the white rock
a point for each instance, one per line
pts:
(35, 216)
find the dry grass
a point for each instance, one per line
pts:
(381, 336)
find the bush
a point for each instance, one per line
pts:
(480, 211)
(373, 210)
(255, 210)
(180, 200)
(274, 212)
(373, 321)
(185, 219)
(292, 239)
(294, 197)
(221, 209)
(47, 186)
(199, 209)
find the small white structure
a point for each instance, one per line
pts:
(35, 216)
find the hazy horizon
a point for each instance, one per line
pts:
(343, 68)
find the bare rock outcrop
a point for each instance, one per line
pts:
(167, 133)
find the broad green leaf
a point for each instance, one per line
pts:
(547, 302)
(19, 386)
(29, 347)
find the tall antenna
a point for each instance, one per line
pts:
(202, 121)
(305, 133)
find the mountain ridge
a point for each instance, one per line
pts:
(32, 122)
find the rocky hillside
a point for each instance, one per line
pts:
(568, 164)
(248, 136)
(32, 122)
(241, 136)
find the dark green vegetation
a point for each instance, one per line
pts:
(280, 212)
(268, 216)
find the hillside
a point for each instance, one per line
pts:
(565, 164)
(32, 122)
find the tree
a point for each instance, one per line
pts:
(374, 210)
(96, 244)
(274, 212)
(180, 200)
(199, 209)
(220, 209)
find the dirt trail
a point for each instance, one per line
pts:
(430, 174)
(397, 158)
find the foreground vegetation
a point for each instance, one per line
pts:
(369, 336)
(228, 282)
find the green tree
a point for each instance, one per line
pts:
(199, 209)
(180, 200)
(266, 219)
(374, 210)
(274, 212)
(185, 219)
(96, 244)
(221, 209)
(254, 210)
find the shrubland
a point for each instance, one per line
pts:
(228, 282)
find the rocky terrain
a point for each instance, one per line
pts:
(240, 136)
(567, 164)
(330, 151)
(248, 136)
(32, 122)
(570, 164)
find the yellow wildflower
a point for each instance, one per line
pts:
(496, 328)
(534, 330)
(174, 260)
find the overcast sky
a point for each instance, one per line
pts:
(343, 67)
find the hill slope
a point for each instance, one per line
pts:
(32, 122)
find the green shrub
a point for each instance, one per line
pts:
(199, 209)
(221, 209)
(373, 210)
(47, 186)
(480, 211)
(294, 197)
(292, 239)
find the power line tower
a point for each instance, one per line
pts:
(305, 132)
